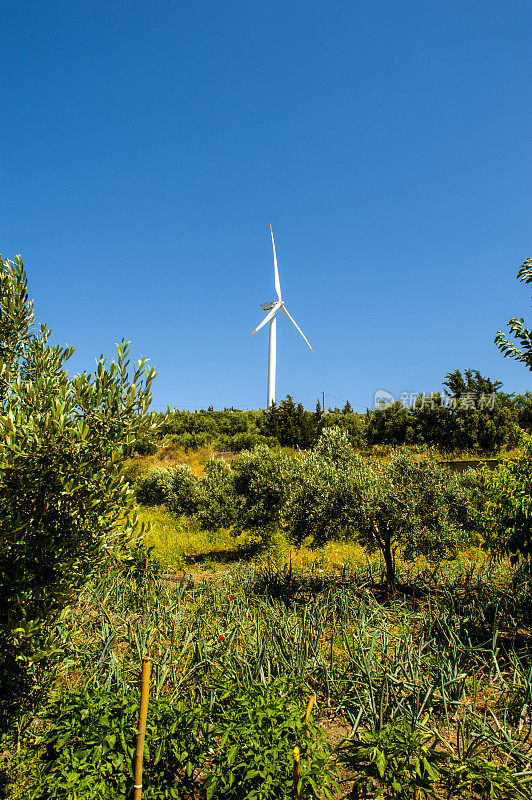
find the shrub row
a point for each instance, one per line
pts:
(404, 504)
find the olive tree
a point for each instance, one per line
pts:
(65, 505)
(262, 479)
(407, 506)
(401, 504)
(506, 513)
(216, 505)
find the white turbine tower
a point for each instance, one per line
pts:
(272, 308)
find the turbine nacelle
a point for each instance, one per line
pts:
(268, 306)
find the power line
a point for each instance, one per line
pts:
(257, 406)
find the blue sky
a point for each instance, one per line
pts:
(146, 146)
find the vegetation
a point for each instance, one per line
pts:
(64, 503)
(89, 743)
(522, 351)
(505, 516)
(405, 503)
(473, 416)
(426, 692)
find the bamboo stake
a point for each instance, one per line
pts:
(295, 756)
(310, 706)
(143, 713)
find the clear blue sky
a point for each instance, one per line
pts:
(146, 146)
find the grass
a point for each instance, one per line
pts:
(180, 543)
(170, 455)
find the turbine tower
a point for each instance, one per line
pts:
(272, 308)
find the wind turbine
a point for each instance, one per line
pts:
(272, 308)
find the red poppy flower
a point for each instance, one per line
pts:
(232, 597)
(221, 638)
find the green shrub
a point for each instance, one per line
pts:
(64, 502)
(349, 422)
(174, 487)
(216, 504)
(239, 744)
(154, 487)
(89, 745)
(194, 441)
(335, 444)
(183, 487)
(392, 425)
(131, 471)
(145, 447)
(402, 760)
(289, 424)
(259, 726)
(506, 515)
(319, 501)
(262, 480)
(242, 441)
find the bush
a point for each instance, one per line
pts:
(319, 500)
(216, 500)
(353, 424)
(242, 441)
(259, 727)
(262, 480)
(392, 425)
(174, 487)
(289, 424)
(183, 487)
(401, 759)
(89, 745)
(237, 745)
(506, 514)
(64, 502)
(193, 441)
(145, 447)
(335, 444)
(154, 487)
(401, 762)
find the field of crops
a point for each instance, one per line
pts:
(426, 693)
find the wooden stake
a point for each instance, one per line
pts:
(143, 713)
(295, 756)
(310, 706)
(308, 712)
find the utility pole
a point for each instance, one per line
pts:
(323, 401)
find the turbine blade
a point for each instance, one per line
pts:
(276, 271)
(292, 320)
(267, 318)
